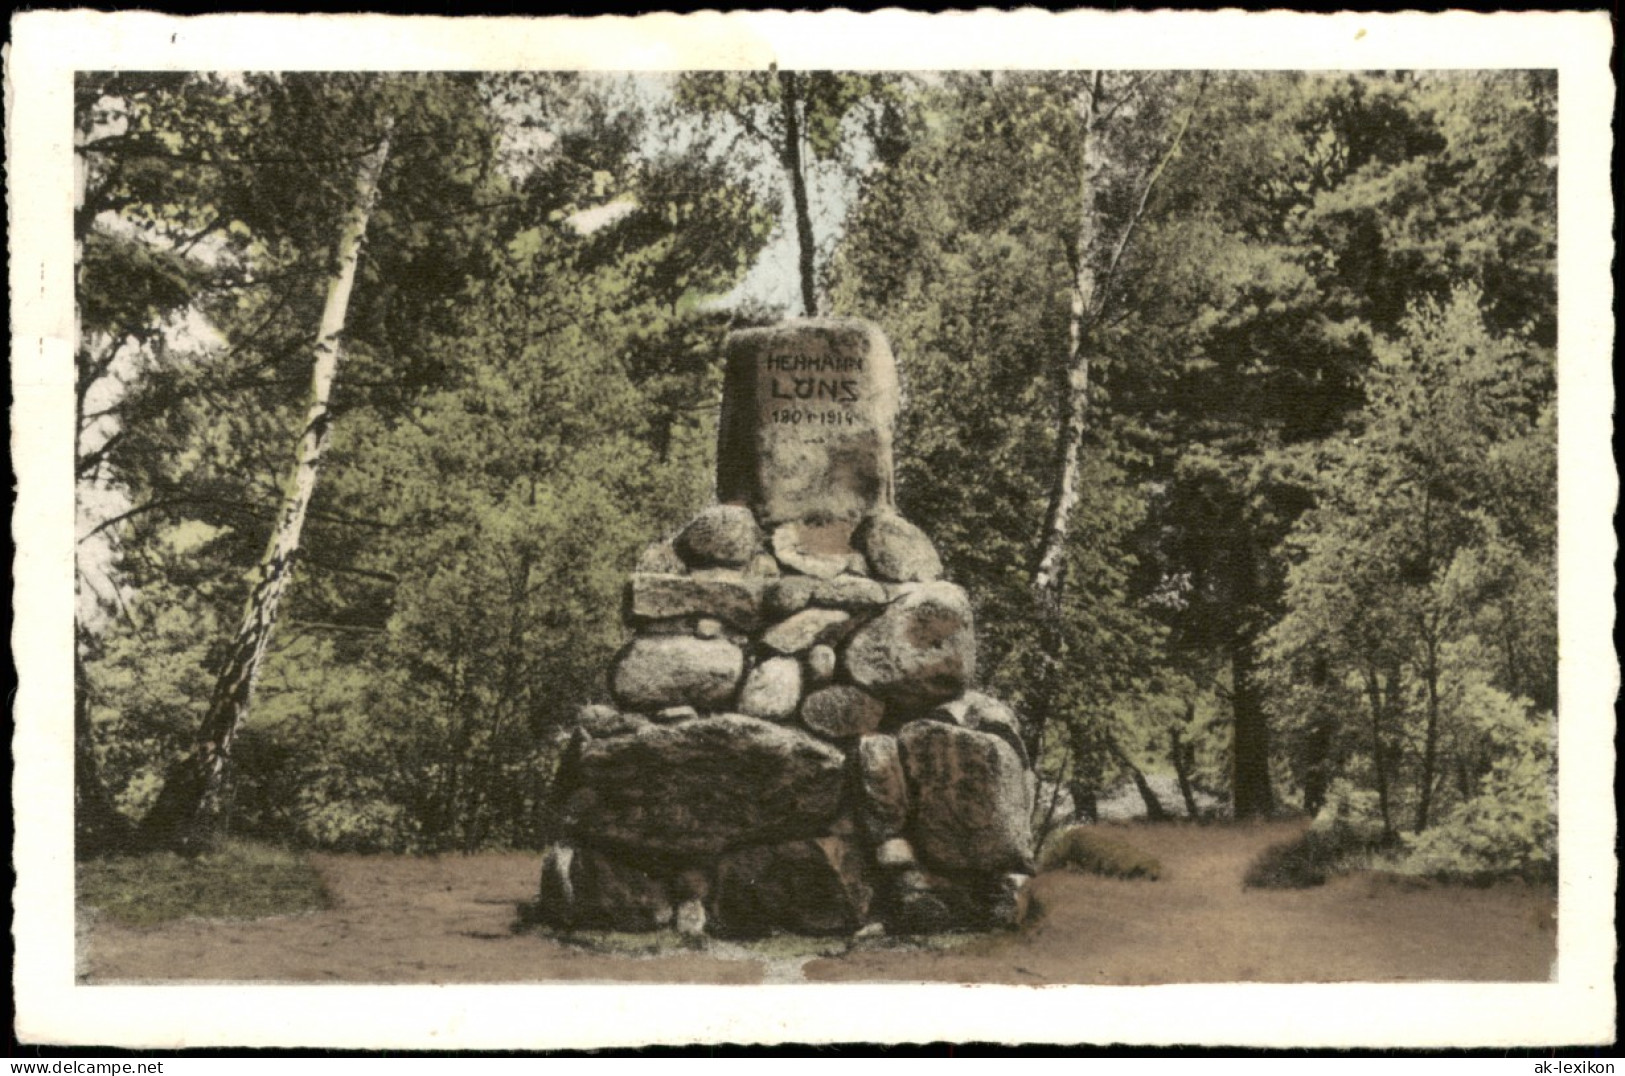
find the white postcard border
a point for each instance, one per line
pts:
(47, 47)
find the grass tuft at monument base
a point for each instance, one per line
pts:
(241, 881)
(1082, 848)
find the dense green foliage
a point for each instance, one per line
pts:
(523, 403)
(1312, 563)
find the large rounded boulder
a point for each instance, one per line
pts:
(969, 802)
(702, 786)
(659, 671)
(921, 650)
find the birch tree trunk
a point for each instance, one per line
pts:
(1049, 574)
(1094, 262)
(1094, 259)
(188, 814)
(1072, 383)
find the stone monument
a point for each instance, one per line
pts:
(794, 743)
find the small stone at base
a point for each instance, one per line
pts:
(923, 912)
(1011, 900)
(691, 917)
(895, 853)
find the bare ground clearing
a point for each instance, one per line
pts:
(450, 919)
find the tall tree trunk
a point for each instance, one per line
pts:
(98, 827)
(1379, 756)
(1316, 775)
(1250, 743)
(794, 167)
(1154, 810)
(1085, 799)
(1093, 260)
(1464, 779)
(1072, 390)
(1086, 770)
(189, 810)
(1073, 382)
(1430, 745)
(1251, 795)
(1318, 751)
(1046, 825)
(1182, 754)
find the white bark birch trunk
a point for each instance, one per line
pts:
(188, 810)
(1050, 570)
(1095, 262)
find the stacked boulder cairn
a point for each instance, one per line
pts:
(794, 744)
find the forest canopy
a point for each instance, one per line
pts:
(1230, 399)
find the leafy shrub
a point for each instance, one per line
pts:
(1297, 864)
(1507, 826)
(1310, 859)
(1508, 829)
(1348, 827)
(364, 826)
(1352, 812)
(1081, 848)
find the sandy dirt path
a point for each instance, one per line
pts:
(1198, 924)
(450, 919)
